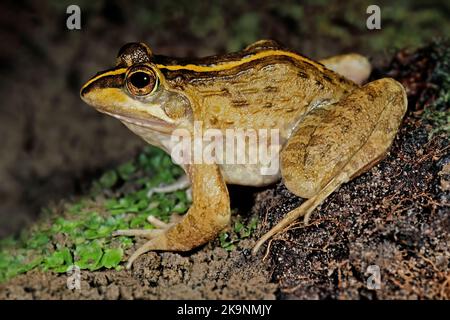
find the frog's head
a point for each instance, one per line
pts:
(136, 92)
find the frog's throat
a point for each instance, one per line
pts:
(152, 123)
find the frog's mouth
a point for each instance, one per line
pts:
(149, 122)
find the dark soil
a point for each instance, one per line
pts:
(395, 216)
(211, 273)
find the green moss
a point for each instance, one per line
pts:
(80, 233)
(229, 240)
(438, 113)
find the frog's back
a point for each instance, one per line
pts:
(274, 85)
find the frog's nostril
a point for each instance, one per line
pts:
(84, 92)
(105, 80)
(86, 88)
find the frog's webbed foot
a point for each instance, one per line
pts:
(332, 151)
(207, 216)
(160, 228)
(182, 183)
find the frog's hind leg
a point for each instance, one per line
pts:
(338, 142)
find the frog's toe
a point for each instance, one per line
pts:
(174, 219)
(160, 226)
(145, 233)
(157, 243)
(182, 183)
(157, 223)
(156, 238)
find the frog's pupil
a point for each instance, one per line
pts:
(140, 79)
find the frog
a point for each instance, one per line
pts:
(332, 126)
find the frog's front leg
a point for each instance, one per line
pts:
(338, 142)
(208, 215)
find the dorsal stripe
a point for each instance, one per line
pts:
(231, 64)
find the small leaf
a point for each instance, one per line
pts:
(90, 234)
(112, 258)
(76, 208)
(59, 261)
(126, 242)
(108, 179)
(88, 255)
(126, 170)
(38, 240)
(66, 226)
(137, 222)
(33, 264)
(55, 260)
(238, 226)
(142, 204)
(180, 208)
(67, 256)
(94, 222)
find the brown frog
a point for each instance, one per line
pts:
(331, 128)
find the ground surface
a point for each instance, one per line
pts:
(396, 217)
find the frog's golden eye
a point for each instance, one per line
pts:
(142, 82)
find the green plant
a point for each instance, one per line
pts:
(438, 112)
(228, 240)
(80, 234)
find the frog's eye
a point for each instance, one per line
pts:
(142, 82)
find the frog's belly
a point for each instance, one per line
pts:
(248, 175)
